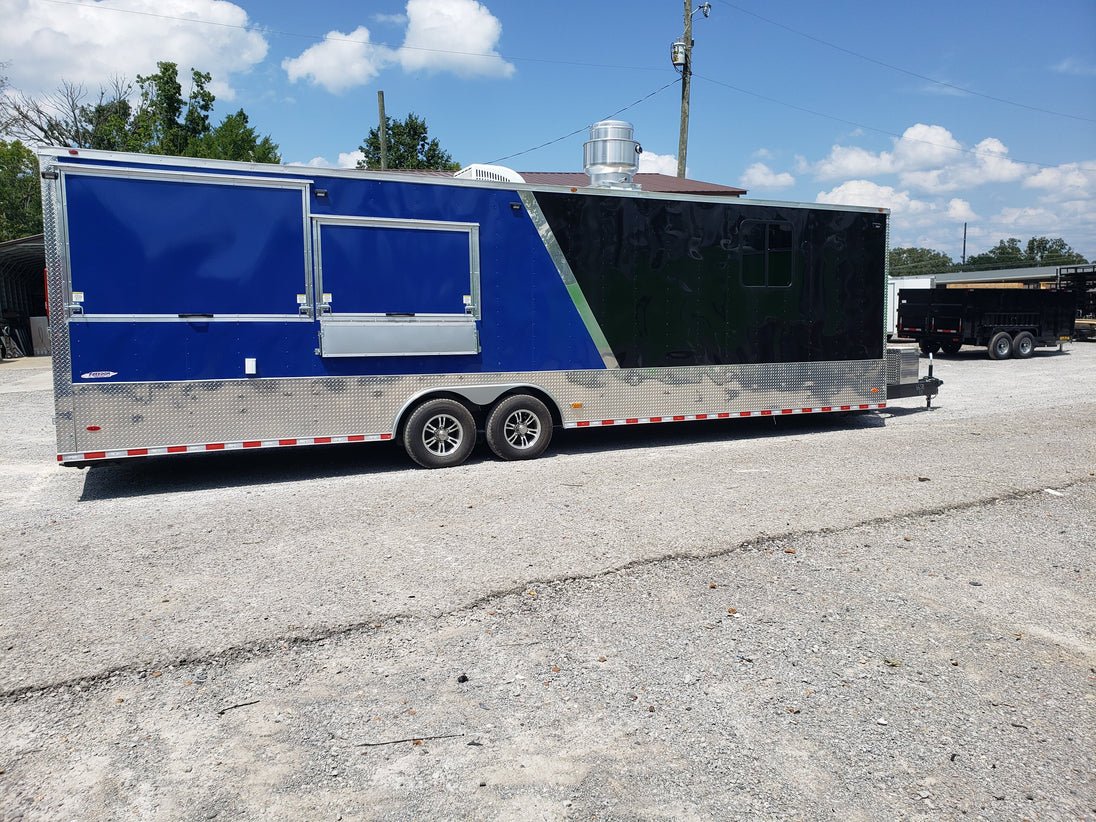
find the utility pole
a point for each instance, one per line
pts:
(382, 133)
(683, 55)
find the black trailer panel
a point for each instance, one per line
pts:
(677, 282)
(1007, 321)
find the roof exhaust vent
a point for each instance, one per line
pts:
(611, 157)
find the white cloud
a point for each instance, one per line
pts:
(315, 162)
(987, 163)
(1027, 218)
(760, 176)
(89, 42)
(347, 159)
(933, 184)
(920, 147)
(850, 161)
(340, 62)
(960, 211)
(459, 36)
(867, 193)
(1071, 179)
(651, 163)
(925, 146)
(926, 158)
(1076, 66)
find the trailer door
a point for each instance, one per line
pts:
(163, 245)
(173, 274)
(388, 287)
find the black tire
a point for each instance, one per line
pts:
(1023, 345)
(1000, 347)
(519, 427)
(440, 433)
(951, 347)
(929, 347)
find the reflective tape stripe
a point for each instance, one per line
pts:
(161, 450)
(721, 415)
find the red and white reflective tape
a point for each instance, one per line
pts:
(723, 415)
(204, 448)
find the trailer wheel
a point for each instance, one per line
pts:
(928, 347)
(1000, 347)
(519, 428)
(951, 347)
(1024, 345)
(440, 433)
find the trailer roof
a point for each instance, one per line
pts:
(999, 275)
(648, 181)
(658, 186)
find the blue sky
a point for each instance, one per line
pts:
(975, 112)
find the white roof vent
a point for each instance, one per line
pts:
(489, 173)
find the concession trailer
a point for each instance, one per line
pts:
(201, 306)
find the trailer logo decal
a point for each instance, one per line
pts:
(98, 375)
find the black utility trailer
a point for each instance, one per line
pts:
(1009, 322)
(1081, 280)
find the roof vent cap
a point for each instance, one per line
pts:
(611, 157)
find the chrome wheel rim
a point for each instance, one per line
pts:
(442, 434)
(521, 429)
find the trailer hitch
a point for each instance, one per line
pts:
(927, 387)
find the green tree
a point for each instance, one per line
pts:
(234, 139)
(160, 121)
(106, 125)
(20, 192)
(910, 262)
(1043, 251)
(1006, 254)
(1038, 251)
(408, 146)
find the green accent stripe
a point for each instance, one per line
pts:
(593, 328)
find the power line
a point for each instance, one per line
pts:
(814, 113)
(901, 70)
(673, 82)
(318, 38)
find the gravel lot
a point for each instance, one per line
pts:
(869, 617)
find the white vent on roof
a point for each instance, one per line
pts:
(489, 173)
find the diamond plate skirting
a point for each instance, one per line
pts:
(141, 415)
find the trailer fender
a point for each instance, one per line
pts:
(478, 396)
